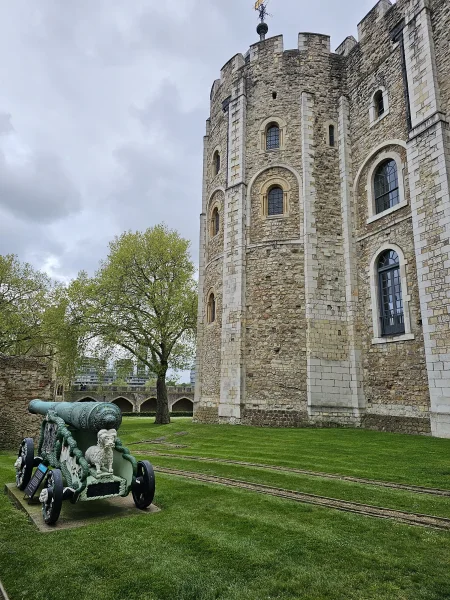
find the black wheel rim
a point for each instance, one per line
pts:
(26, 458)
(144, 488)
(51, 508)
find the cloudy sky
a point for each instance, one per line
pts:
(102, 113)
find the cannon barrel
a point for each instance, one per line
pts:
(91, 416)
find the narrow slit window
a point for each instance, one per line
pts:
(211, 312)
(216, 163)
(331, 138)
(215, 222)
(379, 104)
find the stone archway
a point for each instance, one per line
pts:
(183, 405)
(87, 399)
(124, 404)
(149, 406)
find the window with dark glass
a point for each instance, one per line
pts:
(216, 162)
(391, 300)
(215, 221)
(275, 201)
(386, 186)
(272, 137)
(211, 309)
(379, 104)
(331, 139)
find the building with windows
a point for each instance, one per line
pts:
(325, 227)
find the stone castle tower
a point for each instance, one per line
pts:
(325, 228)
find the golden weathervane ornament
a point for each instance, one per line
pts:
(262, 29)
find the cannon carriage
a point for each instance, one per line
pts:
(81, 458)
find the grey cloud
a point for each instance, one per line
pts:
(37, 190)
(122, 90)
(5, 124)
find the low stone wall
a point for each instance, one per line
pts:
(21, 380)
(293, 419)
(274, 418)
(410, 425)
(206, 414)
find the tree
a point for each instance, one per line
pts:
(144, 300)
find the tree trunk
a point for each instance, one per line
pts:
(162, 403)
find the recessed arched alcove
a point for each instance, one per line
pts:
(149, 405)
(183, 405)
(124, 405)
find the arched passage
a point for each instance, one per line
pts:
(149, 405)
(124, 405)
(87, 400)
(183, 405)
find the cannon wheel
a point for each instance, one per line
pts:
(51, 506)
(144, 488)
(25, 463)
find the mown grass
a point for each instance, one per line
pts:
(416, 460)
(211, 542)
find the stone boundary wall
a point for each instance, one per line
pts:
(296, 419)
(21, 379)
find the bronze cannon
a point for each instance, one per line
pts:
(81, 458)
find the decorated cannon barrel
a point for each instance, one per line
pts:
(91, 416)
(80, 458)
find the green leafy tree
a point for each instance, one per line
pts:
(143, 299)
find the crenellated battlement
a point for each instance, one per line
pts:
(373, 17)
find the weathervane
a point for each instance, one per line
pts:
(262, 29)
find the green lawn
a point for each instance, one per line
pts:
(211, 542)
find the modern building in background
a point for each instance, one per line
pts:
(94, 371)
(325, 227)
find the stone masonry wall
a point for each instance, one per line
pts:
(21, 380)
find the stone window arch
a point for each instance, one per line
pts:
(275, 198)
(379, 106)
(385, 185)
(272, 134)
(389, 295)
(211, 308)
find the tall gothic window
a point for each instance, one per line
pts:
(390, 289)
(272, 136)
(275, 201)
(379, 104)
(211, 309)
(386, 186)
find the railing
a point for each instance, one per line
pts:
(116, 388)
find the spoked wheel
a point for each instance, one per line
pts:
(144, 488)
(52, 496)
(24, 463)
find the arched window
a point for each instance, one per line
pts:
(331, 139)
(211, 309)
(386, 186)
(216, 161)
(215, 222)
(378, 100)
(275, 201)
(390, 290)
(272, 136)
